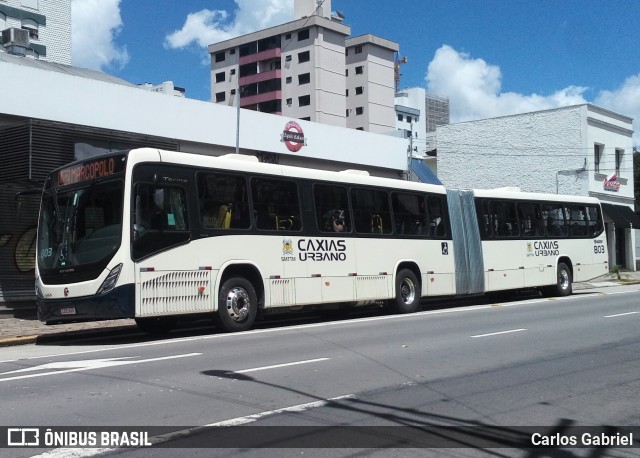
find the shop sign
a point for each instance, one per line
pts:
(611, 183)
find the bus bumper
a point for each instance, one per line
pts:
(116, 304)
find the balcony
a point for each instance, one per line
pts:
(263, 55)
(259, 98)
(258, 77)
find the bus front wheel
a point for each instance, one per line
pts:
(407, 298)
(237, 305)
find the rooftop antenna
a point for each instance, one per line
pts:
(396, 69)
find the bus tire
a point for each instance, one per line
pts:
(237, 305)
(407, 298)
(563, 286)
(156, 326)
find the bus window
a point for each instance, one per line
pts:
(371, 213)
(159, 219)
(332, 208)
(276, 204)
(223, 201)
(594, 220)
(409, 213)
(484, 218)
(436, 216)
(576, 220)
(530, 217)
(554, 217)
(505, 222)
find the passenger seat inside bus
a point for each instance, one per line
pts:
(224, 216)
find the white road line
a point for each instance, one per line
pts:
(90, 452)
(620, 314)
(497, 333)
(298, 327)
(87, 365)
(264, 368)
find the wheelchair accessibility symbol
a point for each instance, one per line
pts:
(445, 248)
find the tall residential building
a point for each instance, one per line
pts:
(370, 83)
(37, 28)
(299, 70)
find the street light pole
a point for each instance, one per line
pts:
(238, 120)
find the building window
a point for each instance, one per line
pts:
(232, 92)
(358, 49)
(287, 36)
(400, 117)
(347, 113)
(289, 102)
(619, 154)
(409, 119)
(303, 35)
(305, 78)
(346, 72)
(287, 58)
(359, 90)
(232, 71)
(288, 80)
(347, 92)
(220, 97)
(30, 26)
(304, 57)
(359, 70)
(219, 56)
(219, 77)
(304, 100)
(232, 51)
(359, 110)
(597, 155)
(359, 128)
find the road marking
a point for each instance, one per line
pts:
(264, 368)
(78, 366)
(303, 326)
(89, 452)
(620, 314)
(498, 333)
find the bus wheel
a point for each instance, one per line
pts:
(237, 305)
(563, 286)
(157, 325)
(407, 293)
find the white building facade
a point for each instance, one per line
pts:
(579, 150)
(41, 28)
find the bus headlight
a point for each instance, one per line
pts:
(110, 282)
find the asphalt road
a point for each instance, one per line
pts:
(536, 362)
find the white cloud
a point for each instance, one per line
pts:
(206, 27)
(474, 90)
(95, 24)
(626, 101)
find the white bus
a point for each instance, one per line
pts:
(159, 235)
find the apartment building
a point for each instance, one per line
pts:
(37, 28)
(370, 83)
(308, 69)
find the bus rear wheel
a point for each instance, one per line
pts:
(563, 286)
(237, 305)
(407, 298)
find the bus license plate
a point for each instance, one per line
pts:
(68, 310)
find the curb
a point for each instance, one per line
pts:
(20, 340)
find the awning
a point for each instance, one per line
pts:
(424, 173)
(622, 216)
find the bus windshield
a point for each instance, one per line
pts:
(80, 226)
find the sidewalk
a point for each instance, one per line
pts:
(27, 329)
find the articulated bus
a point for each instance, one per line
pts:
(160, 236)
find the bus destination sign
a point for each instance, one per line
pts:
(87, 171)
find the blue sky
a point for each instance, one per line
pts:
(490, 57)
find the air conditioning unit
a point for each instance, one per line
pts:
(15, 37)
